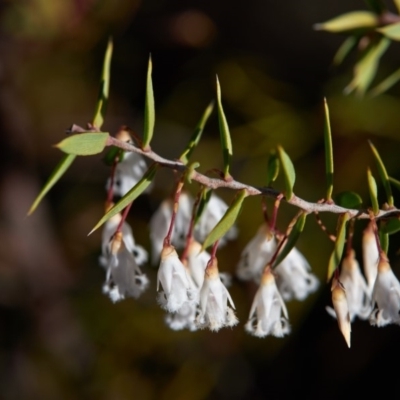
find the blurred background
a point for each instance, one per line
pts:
(60, 337)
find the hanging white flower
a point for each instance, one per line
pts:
(197, 262)
(176, 286)
(268, 314)
(124, 277)
(256, 254)
(370, 256)
(294, 278)
(386, 294)
(340, 305)
(184, 318)
(357, 293)
(215, 312)
(160, 222)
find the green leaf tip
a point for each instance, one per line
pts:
(348, 199)
(58, 172)
(383, 174)
(353, 20)
(102, 100)
(84, 144)
(272, 167)
(328, 153)
(373, 192)
(149, 109)
(288, 172)
(391, 31)
(129, 197)
(226, 221)
(196, 136)
(225, 135)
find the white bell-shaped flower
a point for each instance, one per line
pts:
(268, 314)
(124, 277)
(184, 318)
(176, 286)
(386, 294)
(160, 222)
(340, 305)
(216, 305)
(294, 278)
(370, 256)
(257, 253)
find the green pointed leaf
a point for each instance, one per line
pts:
(373, 192)
(366, 68)
(346, 47)
(84, 144)
(349, 21)
(383, 174)
(133, 194)
(395, 182)
(58, 172)
(384, 241)
(391, 31)
(272, 167)
(196, 136)
(102, 100)
(288, 172)
(292, 239)
(225, 136)
(337, 253)
(205, 196)
(391, 226)
(386, 84)
(226, 221)
(328, 153)
(376, 5)
(149, 110)
(351, 200)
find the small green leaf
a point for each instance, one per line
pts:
(225, 136)
(58, 172)
(391, 226)
(391, 31)
(272, 167)
(386, 84)
(349, 200)
(373, 192)
(328, 153)
(384, 241)
(376, 5)
(395, 183)
(349, 21)
(337, 253)
(133, 194)
(84, 144)
(205, 196)
(292, 239)
(288, 172)
(346, 47)
(149, 111)
(226, 221)
(196, 136)
(190, 169)
(366, 68)
(102, 100)
(383, 174)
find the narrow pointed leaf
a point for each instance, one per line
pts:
(366, 68)
(225, 136)
(226, 221)
(382, 173)
(397, 4)
(196, 136)
(373, 192)
(386, 84)
(384, 241)
(84, 144)
(391, 31)
(349, 21)
(337, 253)
(102, 100)
(272, 167)
(351, 200)
(391, 226)
(288, 172)
(328, 153)
(292, 239)
(149, 111)
(58, 172)
(377, 6)
(133, 194)
(204, 199)
(346, 47)
(395, 183)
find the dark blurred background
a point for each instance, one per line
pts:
(60, 337)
